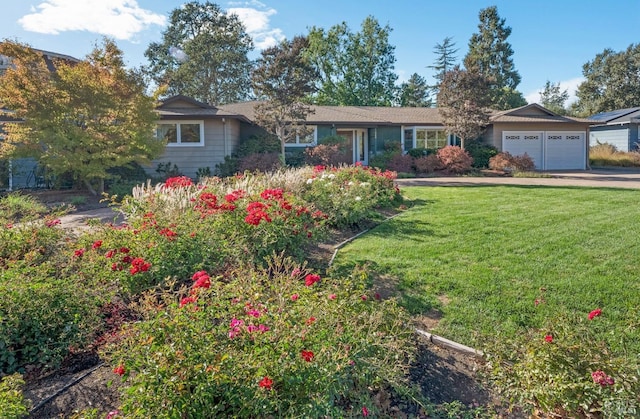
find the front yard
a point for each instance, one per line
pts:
(504, 264)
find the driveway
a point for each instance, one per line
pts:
(597, 178)
(78, 221)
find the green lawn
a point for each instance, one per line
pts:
(483, 255)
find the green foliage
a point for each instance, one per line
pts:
(16, 205)
(203, 172)
(553, 99)
(265, 343)
(565, 369)
(229, 167)
(415, 92)
(381, 161)
(490, 55)
(43, 317)
(463, 101)
(29, 243)
(166, 171)
(480, 153)
(445, 60)
(284, 77)
(612, 81)
(12, 402)
(356, 69)
(258, 144)
(203, 55)
(350, 195)
(84, 119)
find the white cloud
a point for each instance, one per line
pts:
(257, 24)
(120, 19)
(570, 85)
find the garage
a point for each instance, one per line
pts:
(554, 142)
(550, 150)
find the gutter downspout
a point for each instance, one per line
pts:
(224, 138)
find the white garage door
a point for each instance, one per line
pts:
(518, 143)
(551, 150)
(564, 150)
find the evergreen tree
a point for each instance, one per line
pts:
(490, 55)
(415, 92)
(81, 119)
(354, 68)
(553, 99)
(445, 60)
(203, 54)
(283, 78)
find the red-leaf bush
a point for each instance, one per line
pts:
(262, 162)
(506, 161)
(401, 163)
(455, 160)
(428, 164)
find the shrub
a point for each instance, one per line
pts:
(15, 206)
(505, 161)
(43, 317)
(165, 170)
(255, 144)
(428, 164)
(416, 153)
(605, 154)
(349, 195)
(480, 153)
(279, 342)
(391, 149)
(401, 163)
(332, 152)
(454, 159)
(228, 167)
(29, 243)
(262, 162)
(566, 370)
(12, 402)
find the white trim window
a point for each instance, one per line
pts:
(308, 140)
(430, 138)
(181, 133)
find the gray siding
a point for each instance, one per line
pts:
(618, 137)
(220, 139)
(380, 135)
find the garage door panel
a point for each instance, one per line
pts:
(520, 142)
(565, 150)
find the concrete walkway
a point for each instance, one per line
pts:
(601, 178)
(78, 221)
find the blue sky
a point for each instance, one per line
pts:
(551, 39)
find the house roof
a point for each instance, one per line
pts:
(182, 107)
(533, 113)
(616, 117)
(381, 115)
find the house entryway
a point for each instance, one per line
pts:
(357, 144)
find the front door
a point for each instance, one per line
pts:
(357, 143)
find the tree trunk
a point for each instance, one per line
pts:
(89, 187)
(283, 159)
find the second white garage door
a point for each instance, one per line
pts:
(550, 150)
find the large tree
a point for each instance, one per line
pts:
(463, 103)
(203, 54)
(82, 118)
(612, 81)
(490, 54)
(415, 92)
(283, 78)
(355, 68)
(445, 60)
(552, 98)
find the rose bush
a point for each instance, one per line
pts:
(280, 341)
